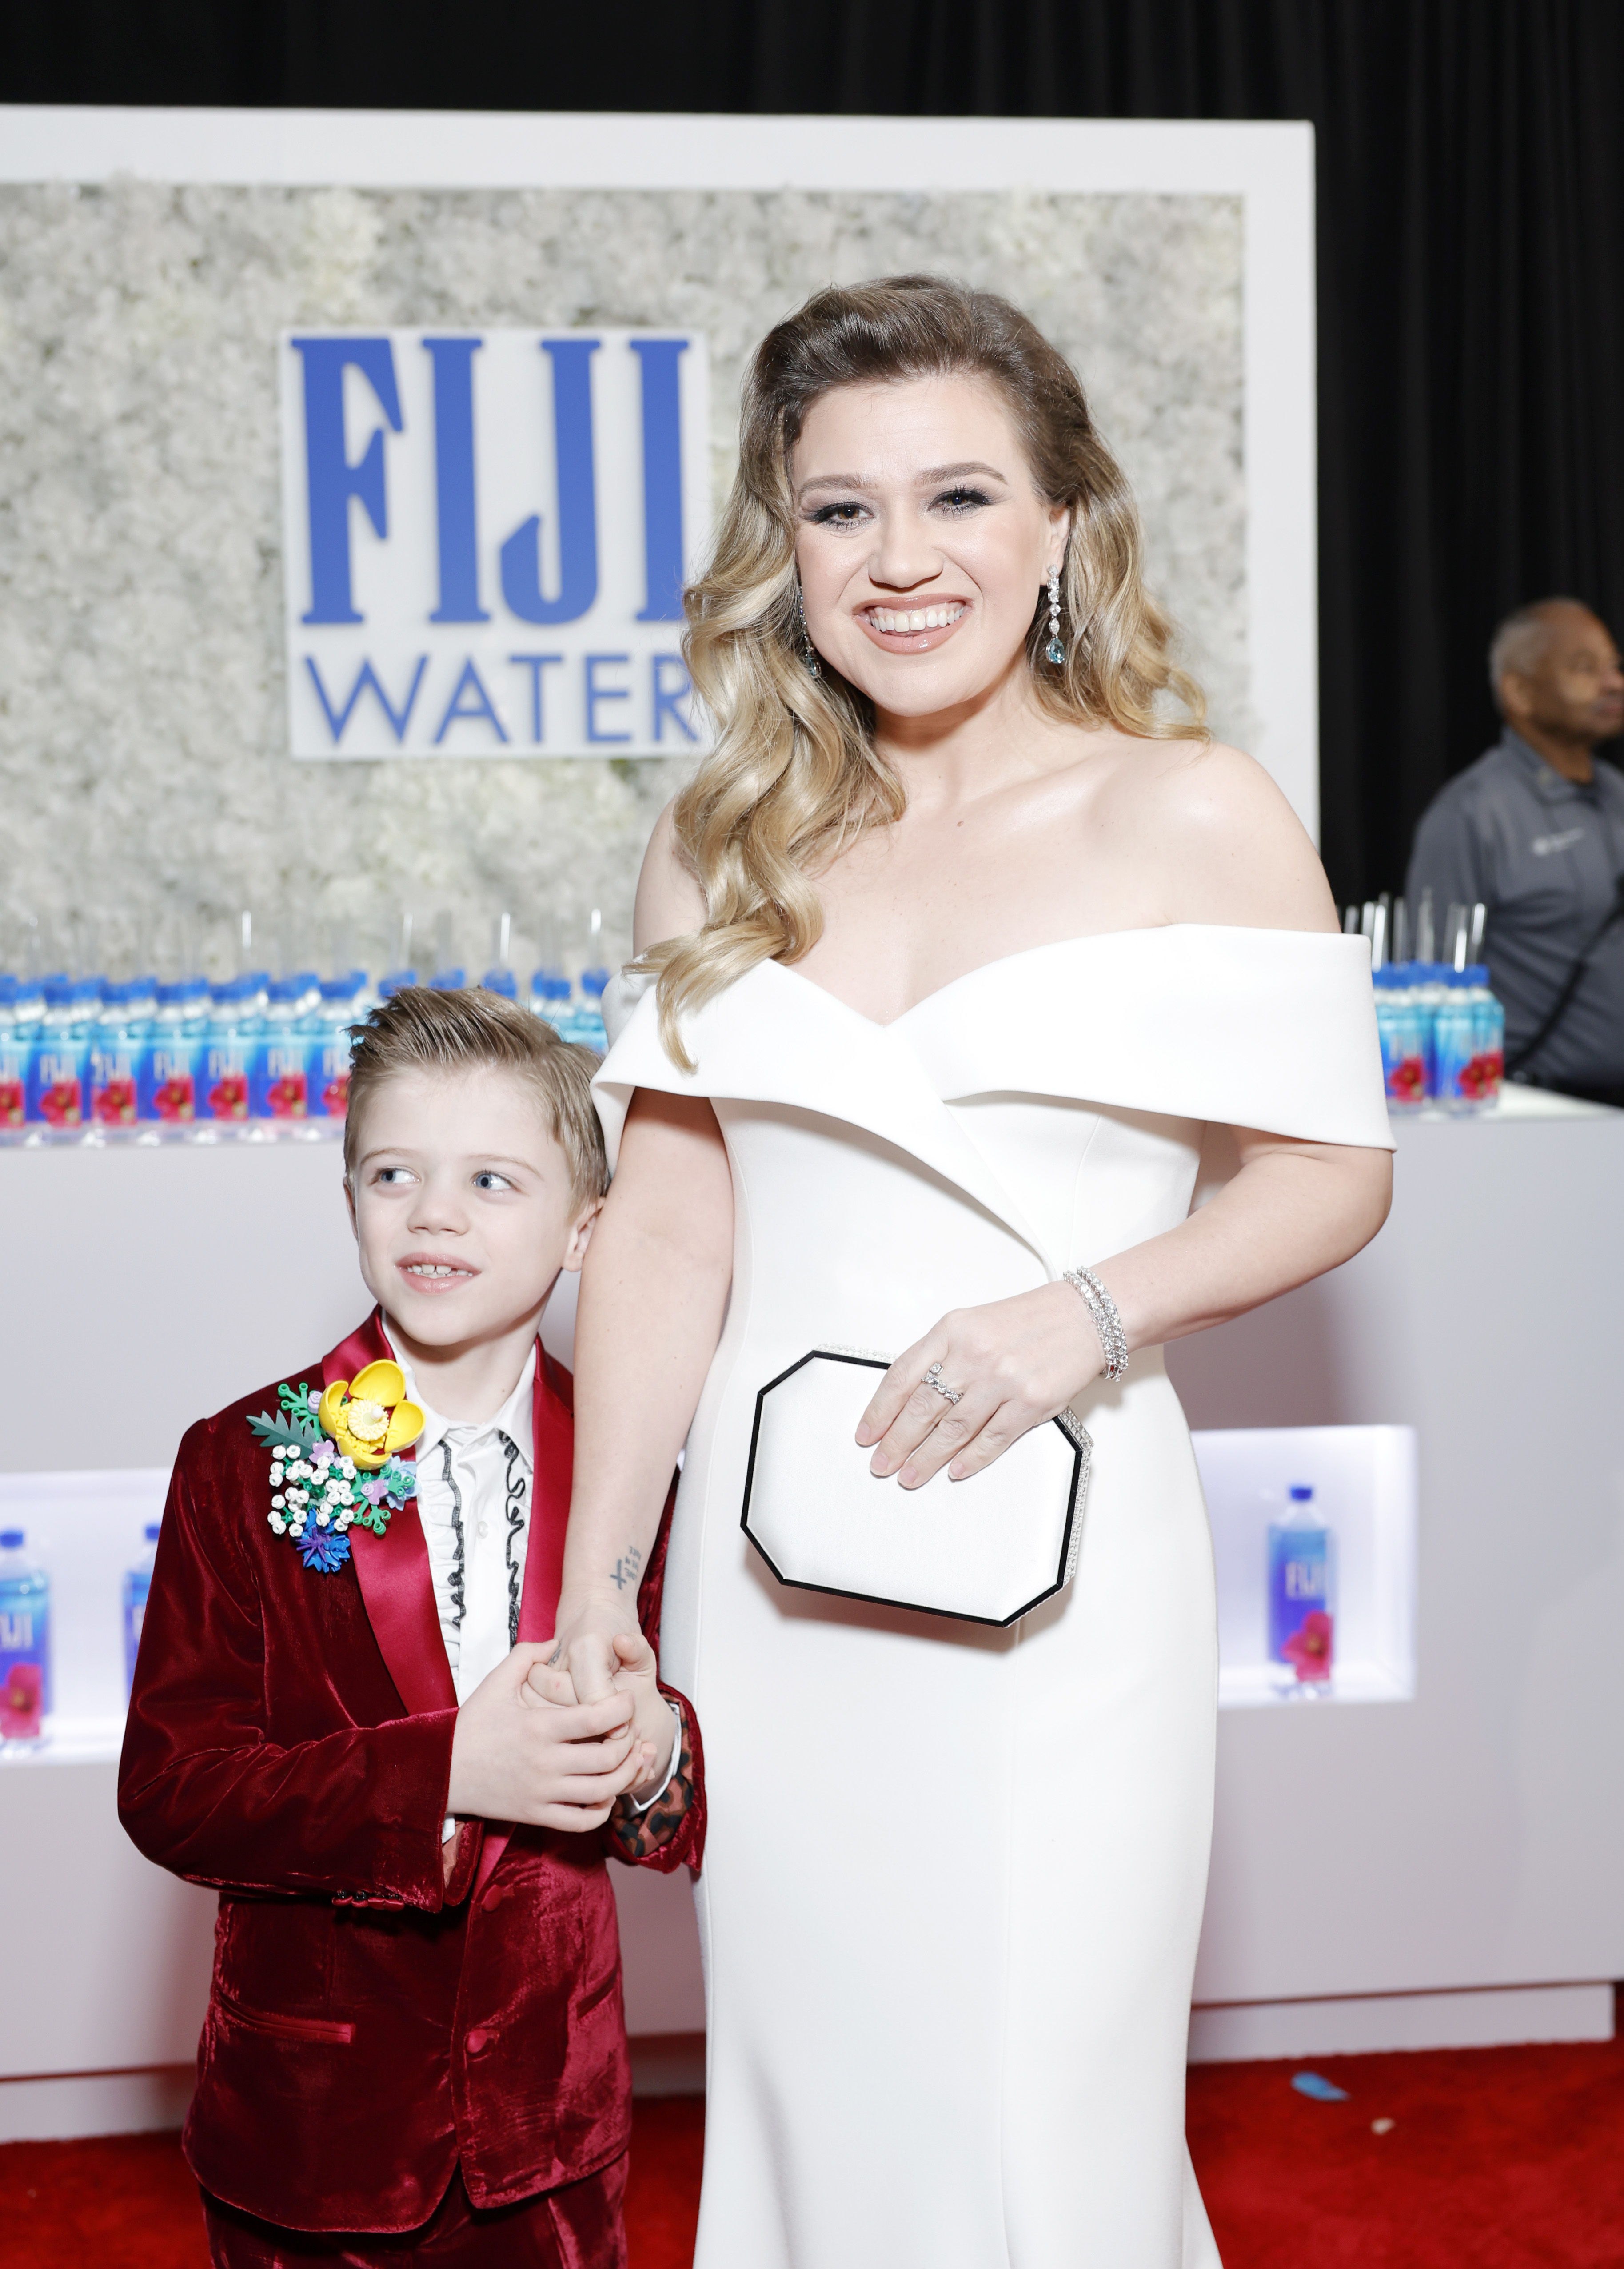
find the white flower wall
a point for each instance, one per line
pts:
(143, 770)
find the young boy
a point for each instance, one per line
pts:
(415, 2029)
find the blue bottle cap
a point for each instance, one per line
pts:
(592, 981)
(502, 982)
(10, 1538)
(448, 981)
(397, 981)
(7, 990)
(549, 984)
(58, 991)
(342, 989)
(1300, 1493)
(151, 1531)
(1477, 974)
(168, 995)
(287, 989)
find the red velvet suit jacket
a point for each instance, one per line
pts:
(288, 1741)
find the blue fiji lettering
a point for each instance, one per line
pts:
(662, 479)
(577, 490)
(596, 693)
(534, 663)
(1305, 1579)
(668, 699)
(331, 479)
(336, 719)
(482, 704)
(453, 481)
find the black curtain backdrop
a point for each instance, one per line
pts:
(1471, 206)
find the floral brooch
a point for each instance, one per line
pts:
(335, 1463)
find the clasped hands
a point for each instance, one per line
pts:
(526, 1749)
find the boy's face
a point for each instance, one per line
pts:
(462, 1205)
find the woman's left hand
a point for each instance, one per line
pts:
(1012, 1364)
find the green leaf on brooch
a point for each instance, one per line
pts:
(283, 1434)
(302, 1408)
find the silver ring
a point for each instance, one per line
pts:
(932, 1378)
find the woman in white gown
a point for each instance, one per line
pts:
(963, 933)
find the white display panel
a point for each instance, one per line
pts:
(1364, 1484)
(83, 1530)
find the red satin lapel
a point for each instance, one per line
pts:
(393, 1570)
(550, 1499)
(553, 1438)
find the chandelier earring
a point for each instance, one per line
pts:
(1054, 651)
(809, 652)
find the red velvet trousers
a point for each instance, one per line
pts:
(578, 2226)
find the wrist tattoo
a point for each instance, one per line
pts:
(627, 1569)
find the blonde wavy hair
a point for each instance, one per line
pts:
(793, 777)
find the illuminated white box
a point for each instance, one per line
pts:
(1364, 1484)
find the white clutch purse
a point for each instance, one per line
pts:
(987, 1549)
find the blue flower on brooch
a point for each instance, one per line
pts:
(324, 1548)
(319, 1491)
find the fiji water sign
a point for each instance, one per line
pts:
(487, 534)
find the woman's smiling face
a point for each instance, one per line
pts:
(923, 544)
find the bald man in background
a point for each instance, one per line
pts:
(1535, 829)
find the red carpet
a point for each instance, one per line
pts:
(1497, 2159)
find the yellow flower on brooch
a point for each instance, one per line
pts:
(369, 1417)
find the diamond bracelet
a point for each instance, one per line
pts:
(1107, 1322)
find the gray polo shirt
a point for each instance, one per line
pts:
(1542, 853)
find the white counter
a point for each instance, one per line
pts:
(1385, 1871)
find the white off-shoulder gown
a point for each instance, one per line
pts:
(954, 1876)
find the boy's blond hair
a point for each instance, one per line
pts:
(476, 1030)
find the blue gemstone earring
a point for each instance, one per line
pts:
(1054, 651)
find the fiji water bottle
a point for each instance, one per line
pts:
(549, 995)
(116, 1050)
(137, 1583)
(1491, 1033)
(16, 1029)
(588, 1020)
(170, 1051)
(1433, 993)
(59, 1065)
(25, 1641)
(499, 977)
(1401, 1028)
(328, 1046)
(227, 1053)
(277, 1084)
(1301, 1579)
(1461, 1078)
